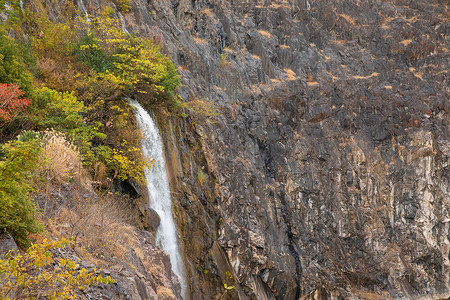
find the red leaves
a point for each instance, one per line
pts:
(11, 102)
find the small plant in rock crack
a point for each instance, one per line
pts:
(223, 62)
(227, 286)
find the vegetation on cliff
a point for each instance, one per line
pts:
(65, 120)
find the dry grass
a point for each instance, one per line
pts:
(56, 75)
(406, 42)
(417, 74)
(100, 229)
(265, 34)
(290, 74)
(374, 74)
(199, 40)
(208, 12)
(340, 42)
(63, 162)
(385, 23)
(99, 225)
(349, 19)
(164, 293)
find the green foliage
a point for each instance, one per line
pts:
(18, 160)
(201, 176)
(90, 51)
(97, 63)
(223, 62)
(64, 112)
(51, 39)
(37, 274)
(228, 277)
(13, 12)
(123, 155)
(122, 162)
(57, 110)
(14, 58)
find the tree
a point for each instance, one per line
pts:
(18, 161)
(11, 102)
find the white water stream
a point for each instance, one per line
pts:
(159, 191)
(83, 8)
(122, 22)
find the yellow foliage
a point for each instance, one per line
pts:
(36, 274)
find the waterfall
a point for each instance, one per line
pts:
(159, 191)
(122, 21)
(83, 8)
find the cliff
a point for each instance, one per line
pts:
(326, 173)
(328, 168)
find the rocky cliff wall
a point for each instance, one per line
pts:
(327, 173)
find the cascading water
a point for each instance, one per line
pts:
(122, 21)
(83, 8)
(159, 191)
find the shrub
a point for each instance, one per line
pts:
(52, 39)
(203, 110)
(37, 274)
(142, 68)
(127, 164)
(124, 5)
(223, 61)
(63, 112)
(18, 161)
(14, 59)
(57, 110)
(135, 64)
(11, 102)
(201, 176)
(90, 51)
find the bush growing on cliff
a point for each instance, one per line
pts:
(37, 274)
(124, 5)
(18, 161)
(14, 60)
(64, 112)
(11, 102)
(135, 64)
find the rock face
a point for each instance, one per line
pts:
(327, 173)
(144, 274)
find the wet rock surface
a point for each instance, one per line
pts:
(327, 173)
